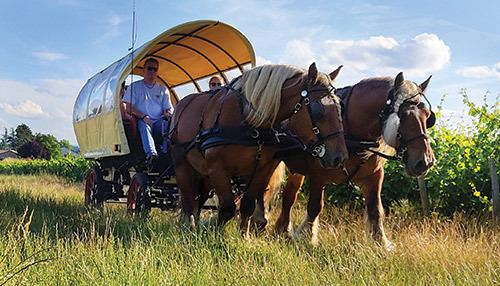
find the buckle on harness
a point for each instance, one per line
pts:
(297, 107)
(319, 151)
(255, 134)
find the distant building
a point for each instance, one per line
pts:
(65, 150)
(8, 154)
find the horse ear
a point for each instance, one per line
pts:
(333, 75)
(423, 86)
(399, 80)
(313, 73)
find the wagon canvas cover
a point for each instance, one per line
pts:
(186, 53)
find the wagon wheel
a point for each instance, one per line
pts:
(94, 188)
(138, 199)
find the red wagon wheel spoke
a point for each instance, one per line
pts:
(94, 188)
(137, 198)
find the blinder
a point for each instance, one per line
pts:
(431, 120)
(317, 111)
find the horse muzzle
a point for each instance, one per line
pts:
(420, 167)
(334, 158)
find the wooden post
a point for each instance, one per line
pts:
(494, 188)
(424, 198)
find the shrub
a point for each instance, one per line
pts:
(73, 169)
(459, 181)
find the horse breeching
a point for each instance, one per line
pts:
(188, 54)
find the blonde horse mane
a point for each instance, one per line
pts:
(262, 88)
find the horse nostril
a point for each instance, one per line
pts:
(421, 165)
(336, 162)
(339, 161)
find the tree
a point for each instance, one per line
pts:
(33, 149)
(23, 135)
(50, 143)
(65, 143)
(12, 139)
(3, 142)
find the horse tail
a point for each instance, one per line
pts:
(275, 184)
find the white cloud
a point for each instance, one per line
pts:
(48, 56)
(300, 53)
(60, 87)
(44, 105)
(25, 109)
(262, 61)
(481, 71)
(4, 124)
(112, 22)
(376, 56)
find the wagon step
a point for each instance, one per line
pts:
(117, 201)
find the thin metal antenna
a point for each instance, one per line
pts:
(134, 38)
(134, 28)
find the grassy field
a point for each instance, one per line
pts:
(49, 238)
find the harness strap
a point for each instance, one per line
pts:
(407, 142)
(353, 173)
(345, 95)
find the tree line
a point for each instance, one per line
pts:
(29, 145)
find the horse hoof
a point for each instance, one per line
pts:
(389, 246)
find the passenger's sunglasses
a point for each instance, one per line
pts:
(216, 84)
(152, 69)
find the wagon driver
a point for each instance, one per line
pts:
(149, 101)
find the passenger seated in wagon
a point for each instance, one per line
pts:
(149, 102)
(215, 82)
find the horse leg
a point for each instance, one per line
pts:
(292, 187)
(314, 207)
(374, 211)
(204, 194)
(255, 192)
(221, 181)
(187, 181)
(261, 213)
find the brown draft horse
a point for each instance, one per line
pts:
(378, 112)
(237, 131)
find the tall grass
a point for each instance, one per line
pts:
(49, 238)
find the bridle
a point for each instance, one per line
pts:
(316, 112)
(403, 144)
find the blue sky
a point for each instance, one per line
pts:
(50, 48)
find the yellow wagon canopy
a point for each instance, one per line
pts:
(194, 50)
(186, 53)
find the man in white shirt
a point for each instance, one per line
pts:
(148, 100)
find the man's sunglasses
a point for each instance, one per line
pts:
(152, 69)
(216, 84)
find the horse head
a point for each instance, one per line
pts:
(316, 117)
(406, 126)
